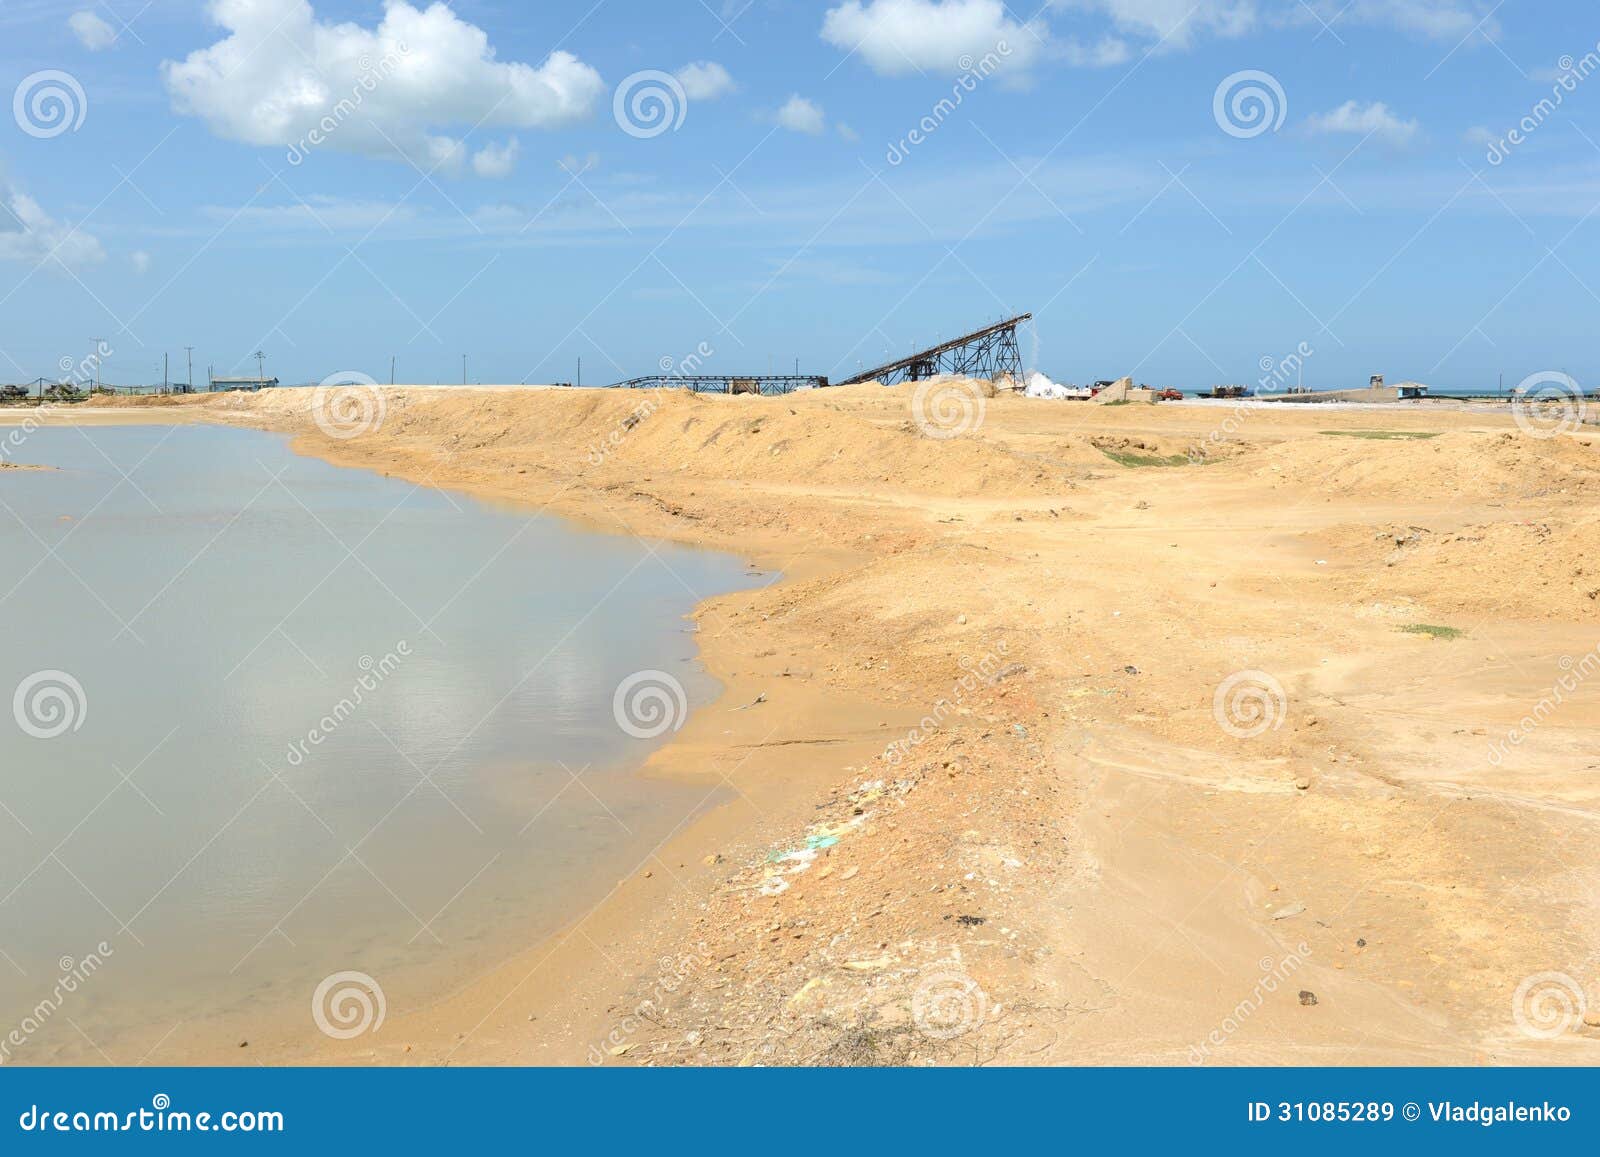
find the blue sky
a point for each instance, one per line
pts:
(483, 191)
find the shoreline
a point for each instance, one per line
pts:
(549, 966)
(1074, 838)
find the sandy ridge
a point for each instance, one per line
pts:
(1074, 863)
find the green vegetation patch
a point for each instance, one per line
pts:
(1129, 458)
(1384, 435)
(1433, 631)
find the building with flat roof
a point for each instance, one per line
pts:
(218, 384)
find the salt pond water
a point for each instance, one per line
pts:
(273, 720)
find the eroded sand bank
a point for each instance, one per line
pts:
(1076, 852)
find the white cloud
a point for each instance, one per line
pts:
(92, 31)
(281, 77)
(496, 161)
(1438, 19)
(318, 212)
(1173, 23)
(705, 80)
(500, 215)
(28, 233)
(1103, 53)
(1372, 119)
(140, 260)
(846, 132)
(576, 165)
(802, 116)
(896, 37)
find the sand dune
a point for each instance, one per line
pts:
(1089, 735)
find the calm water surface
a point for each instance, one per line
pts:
(328, 721)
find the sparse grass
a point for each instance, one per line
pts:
(1384, 435)
(1128, 458)
(862, 1045)
(1433, 631)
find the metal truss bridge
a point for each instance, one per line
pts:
(989, 353)
(767, 385)
(986, 353)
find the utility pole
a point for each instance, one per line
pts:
(391, 369)
(95, 356)
(163, 371)
(261, 372)
(463, 369)
(189, 349)
(580, 373)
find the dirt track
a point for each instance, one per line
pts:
(1085, 854)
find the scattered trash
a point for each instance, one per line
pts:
(1307, 997)
(761, 698)
(1289, 910)
(873, 965)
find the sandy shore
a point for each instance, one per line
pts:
(1174, 734)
